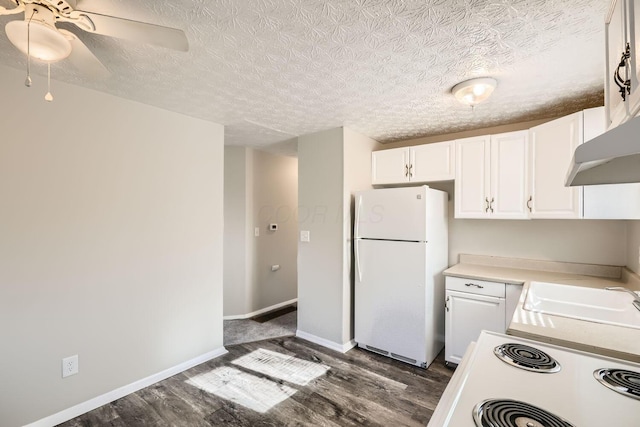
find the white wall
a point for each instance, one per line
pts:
(633, 245)
(111, 248)
(261, 189)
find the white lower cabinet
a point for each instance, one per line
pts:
(466, 316)
(471, 306)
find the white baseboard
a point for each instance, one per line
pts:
(342, 348)
(262, 310)
(96, 402)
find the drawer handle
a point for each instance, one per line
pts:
(473, 284)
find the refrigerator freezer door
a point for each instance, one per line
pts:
(392, 214)
(390, 299)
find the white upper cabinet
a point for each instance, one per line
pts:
(491, 176)
(612, 201)
(509, 175)
(633, 31)
(390, 166)
(432, 162)
(472, 184)
(551, 149)
(421, 163)
(622, 94)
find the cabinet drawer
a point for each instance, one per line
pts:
(474, 286)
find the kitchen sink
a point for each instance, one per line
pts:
(590, 304)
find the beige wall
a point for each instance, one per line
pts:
(236, 231)
(332, 165)
(633, 245)
(583, 241)
(466, 134)
(261, 189)
(111, 248)
(320, 261)
(357, 176)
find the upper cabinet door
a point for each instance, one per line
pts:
(551, 149)
(390, 166)
(509, 175)
(633, 35)
(615, 33)
(472, 177)
(432, 162)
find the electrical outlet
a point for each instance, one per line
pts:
(256, 232)
(69, 366)
(305, 236)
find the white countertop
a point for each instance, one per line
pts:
(609, 340)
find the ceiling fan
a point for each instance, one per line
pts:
(37, 36)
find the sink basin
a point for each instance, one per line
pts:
(590, 304)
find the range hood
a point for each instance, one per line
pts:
(611, 158)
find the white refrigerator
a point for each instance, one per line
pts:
(400, 251)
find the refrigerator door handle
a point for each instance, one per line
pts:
(356, 231)
(356, 235)
(357, 255)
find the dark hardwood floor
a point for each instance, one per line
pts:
(359, 388)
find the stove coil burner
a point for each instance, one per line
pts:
(513, 413)
(526, 357)
(622, 381)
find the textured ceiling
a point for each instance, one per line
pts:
(270, 70)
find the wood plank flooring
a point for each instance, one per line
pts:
(359, 389)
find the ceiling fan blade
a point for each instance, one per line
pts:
(83, 59)
(171, 38)
(15, 10)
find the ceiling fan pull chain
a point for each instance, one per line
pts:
(48, 97)
(27, 81)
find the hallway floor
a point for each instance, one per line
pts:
(244, 331)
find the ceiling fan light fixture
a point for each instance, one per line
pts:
(46, 44)
(474, 91)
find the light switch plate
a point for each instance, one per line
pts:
(305, 236)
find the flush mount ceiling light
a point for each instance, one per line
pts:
(474, 91)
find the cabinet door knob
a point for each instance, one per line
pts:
(529, 203)
(446, 304)
(410, 171)
(486, 199)
(406, 170)
(491, 204)
(624, 85)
